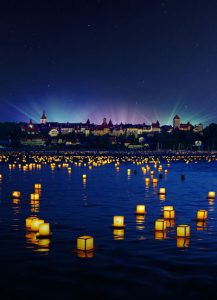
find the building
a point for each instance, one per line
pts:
(43, 119)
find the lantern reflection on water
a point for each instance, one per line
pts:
(160, 235)
(183, 231)
(85, 243)
(118, 234)
(182, 242)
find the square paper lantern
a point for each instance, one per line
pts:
(140, 209)
(183, 231)
(85, 243)
(44, 229)
(169, 214)
(211, 195)
(118, 221)
(202, 214)
(160, 225)
(37, 186)
(34, 196)
(168, 207)
(16, 194)
(162, 191)
(35, 224)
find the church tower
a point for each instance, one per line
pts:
(43, 118)
(176, 122)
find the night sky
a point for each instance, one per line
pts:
(132, 61)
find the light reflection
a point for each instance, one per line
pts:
(118, 234)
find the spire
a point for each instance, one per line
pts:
(43, 118)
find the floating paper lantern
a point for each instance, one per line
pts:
(34, 196)
(37, 186)
(84, 176)
(155, 180)
(16, 194)
(165, 171)
(152, 173)
(147, 180)
(29, 221)
(44, 229)
(140, 209)
(35, 225)
(211, 195)
(169, 214)
(160, 225)
(0, 176)
(182, 242)
(168, 207)
(162, 191)
(85, 243)
(183, 231)
(118, 222)
(128, 171)
(202, 215)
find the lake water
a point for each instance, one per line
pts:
(135, 263)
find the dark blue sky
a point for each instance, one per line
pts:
(132, 60)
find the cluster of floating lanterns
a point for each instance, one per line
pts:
(39, 230)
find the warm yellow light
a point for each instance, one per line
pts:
(211, 195)
(147, 180)
(29, 221)
(160, 235)
(182, 242)
(16, 194)
(37, 186)
(160, 225)
(183, 231)
(35, 224)
(44, 229)
(128, 171)
(166, 171)
(152, 173)
(118, 234)
(140, 209)
(85, 243)
(34, 196)
(202, 214)
(169, 214)
(162, 191)
(85, 254)
(84, 176)
(155, 180)
(118, 221)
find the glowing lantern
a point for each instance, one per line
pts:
(160, 225)
(183, 231)
(37, 186)
(162, 191)
(0, 176)
(168, 207)
(84, 176)
(16, 194)
(44, 229)
(155, 180)
(165, 171)
(35, 225)
(128, 171)
(169, 214)
(34, 196)
(29, 221)
(182, 242)
(202, 215)
(140, 209)
(147, 180)
(85, 243)
(152, 173)
(211, 195)
(118, 222)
